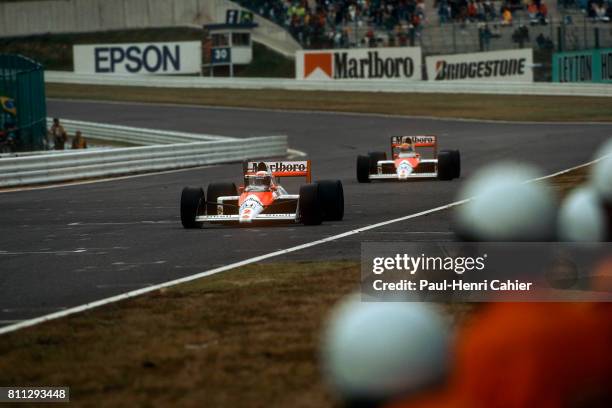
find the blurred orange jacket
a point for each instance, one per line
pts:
(517, 355)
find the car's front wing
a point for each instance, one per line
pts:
(395, 177)
(236, 218)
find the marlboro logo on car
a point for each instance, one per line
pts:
(282, 167)
(423, 139)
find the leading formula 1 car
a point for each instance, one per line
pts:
(406, 163)
(262, 199)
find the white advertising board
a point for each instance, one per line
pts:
(502, 66)
(139, 58)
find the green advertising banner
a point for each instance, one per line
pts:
(605, 59)
(583, 66)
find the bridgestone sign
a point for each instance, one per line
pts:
(399, 63)
(498, 66)
(139, 58)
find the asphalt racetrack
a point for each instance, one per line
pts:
(63, 247)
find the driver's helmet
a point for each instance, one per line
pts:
(262, 179)
(406, 148)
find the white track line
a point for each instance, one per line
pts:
(148, 289)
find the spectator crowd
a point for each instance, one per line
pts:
(596, 10)
(490, 10)
(373, 23)
(340, 23)
(332, 22)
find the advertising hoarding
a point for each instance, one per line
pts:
(503, 66)
(398, 63)
(139, 58)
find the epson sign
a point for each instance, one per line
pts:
(139, 58)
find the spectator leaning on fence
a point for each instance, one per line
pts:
(58, 135)
(79, 141)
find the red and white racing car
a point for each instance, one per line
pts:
(263, 199)
(406, 163)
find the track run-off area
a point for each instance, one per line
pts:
(71, 245)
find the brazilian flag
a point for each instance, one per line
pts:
(8, 105)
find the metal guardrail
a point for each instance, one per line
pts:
(85, 164)
(47, 152)
(132, 135)
(499, 88)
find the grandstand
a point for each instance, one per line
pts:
(441, 26)
(437, 26)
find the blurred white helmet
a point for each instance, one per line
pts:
(581, 217)
(505, 207)
(377, 350)
(602, 173)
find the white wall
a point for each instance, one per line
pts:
(69, 16)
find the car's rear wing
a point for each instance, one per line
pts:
(417, 141)
(280, 168)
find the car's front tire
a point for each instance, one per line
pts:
(375, 157)
(363, 169)
(192, 205)
(446, 165)
(456, 163)
(216, 190)
(331, 194)
(309, 206)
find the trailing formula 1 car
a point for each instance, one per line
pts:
(406, 163)
(261, 199)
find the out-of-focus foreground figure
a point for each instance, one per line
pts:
(517, 355)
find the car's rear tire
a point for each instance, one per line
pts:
(456, 163)
(216, 190)
(192, 205)
(363, 169)
(375, 157)
(445, 165)
(309, 205)
(331, 194)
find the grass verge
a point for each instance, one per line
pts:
(244, 338)
(490, 107)
(565, 183)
